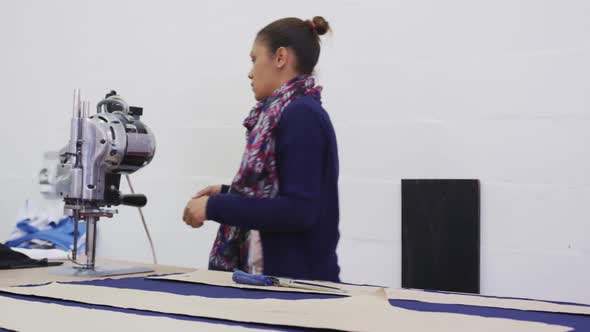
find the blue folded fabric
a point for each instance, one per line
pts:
(60, 235)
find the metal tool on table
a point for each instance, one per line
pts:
(242, 277)
(102, 147)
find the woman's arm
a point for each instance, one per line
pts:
(300, 146)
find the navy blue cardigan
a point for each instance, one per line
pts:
(299, 227)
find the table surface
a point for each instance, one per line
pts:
(41, 275)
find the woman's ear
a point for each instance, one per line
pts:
(281, 57)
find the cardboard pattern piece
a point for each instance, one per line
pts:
(43, 317)
(42, 275)
(354, 313)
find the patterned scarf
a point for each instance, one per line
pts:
(257, 176)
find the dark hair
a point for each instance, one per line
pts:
(303, 37)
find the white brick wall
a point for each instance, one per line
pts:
(495, 90)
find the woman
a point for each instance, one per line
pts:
(280, 215)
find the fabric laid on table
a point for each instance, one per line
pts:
(221, 278)
(354, 313)
(486, 301)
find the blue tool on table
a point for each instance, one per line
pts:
(242, 277)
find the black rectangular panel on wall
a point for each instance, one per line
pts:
(441, 234)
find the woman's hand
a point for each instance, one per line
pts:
(208, 191)
(195, 212)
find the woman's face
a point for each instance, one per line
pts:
(264, 73)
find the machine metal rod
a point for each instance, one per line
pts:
(90, 241)
(76, 217)
(76, 113)
(85, 109)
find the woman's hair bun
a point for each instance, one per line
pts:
(321, 25)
